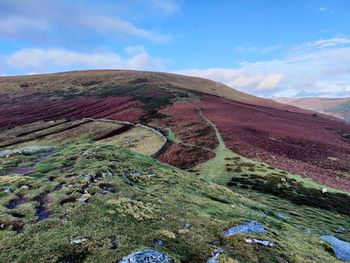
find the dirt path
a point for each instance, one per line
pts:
(221, 169)
(214, 170)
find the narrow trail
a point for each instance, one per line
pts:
(220, 169)
(214, 170)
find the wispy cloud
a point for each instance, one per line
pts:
(323, 9)
(165, 6)
(319, 68)
(250, 49)
(331, 42)
(39, 60)
(46, 19)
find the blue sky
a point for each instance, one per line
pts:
(269, 48)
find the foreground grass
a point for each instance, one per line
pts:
(148, 201)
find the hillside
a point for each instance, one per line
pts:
(337, 107)
(96, 165)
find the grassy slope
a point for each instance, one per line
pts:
(123, 82)
(138, 138)
(146, 208)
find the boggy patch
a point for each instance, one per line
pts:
(291, 190)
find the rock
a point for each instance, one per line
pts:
(282, 216)
(8, 190)
(78, 240)
(158, 242)
(214, 256)
(245, 228)
(341, 248)
(324, 190)
(187, 226)
(147, 255)
(25, 187)
(106, 187)
(108, 173)
(339, 229)
(306, 230)
(259, 242)
(84, 198)
(114, 242)
(136, 174)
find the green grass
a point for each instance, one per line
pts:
(145, 208)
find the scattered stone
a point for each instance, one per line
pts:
(114, 242)
(108, 173)
(341, 248)
(245, 228)
(25, 187)
(282, 216)
(83, 199)
(136, 174)
(324, 190)
(8, 190)
(158, 242)
(78, 240)
(106, 188)
(187, 226)
(259, 242)
(339, 229)
(306, 230)
(214, 256)
(147, 255)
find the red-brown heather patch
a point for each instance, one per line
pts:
(188, 126)
(31, 109)
(183, 156)
(131, 115)
(304, 144)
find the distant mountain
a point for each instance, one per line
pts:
(338, 107)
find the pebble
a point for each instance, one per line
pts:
(259, 242)
(214, 256)
(339, 229)
(187, 226)
(136, 174)
(83, 199)
(78, 240)
(8, 190)
(158, 242)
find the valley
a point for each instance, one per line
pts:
(98, 165)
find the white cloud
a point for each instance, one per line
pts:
(46, 18)
(323, 9)
(249, 48)
(114, 26)
(270, 81)
(166, 6)
(13, 26)
(320, 68)
(332, 42)
(39, 60)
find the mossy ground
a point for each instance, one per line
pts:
(149, 201)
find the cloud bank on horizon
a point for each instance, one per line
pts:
(301, 49)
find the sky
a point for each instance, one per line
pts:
(268, 48)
